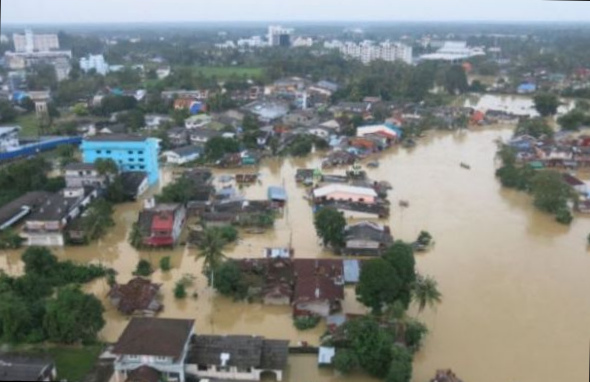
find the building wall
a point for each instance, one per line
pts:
(321, 308)
(232, 373)
(341, 195)
(75, 178)
(129, 156)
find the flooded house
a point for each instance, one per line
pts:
(367, 239)
(344, 192)
(161, 224)
(46, 226)
(178, 136)
(135, 184)
(15, 211)
(319, 287)
(84, 174)
(155, 345)
(277, 195)
(339, 158)
(182, 155)
(445, 376)
(138, 296)
(237, 357)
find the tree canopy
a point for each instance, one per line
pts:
(329, 224)
(379, 284)
(546, 104)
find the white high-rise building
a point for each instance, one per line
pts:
(95, 62)
(279, 36)
(29, 42)
(367, 51)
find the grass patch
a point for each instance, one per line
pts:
(74, 363)
(29, 125)
(224, 72)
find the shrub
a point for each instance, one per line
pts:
(179, 290)
(165, 263)
(345, 361)
(306, 323)
(144, 268)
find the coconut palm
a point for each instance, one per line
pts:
(211, 247)
(425, 292)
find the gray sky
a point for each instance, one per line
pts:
(85, 11)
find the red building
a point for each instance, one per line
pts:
(161, 225)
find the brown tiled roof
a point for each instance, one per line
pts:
(137, 294)
(143, 374)
(162, 337)
(445, 376)
(318, 279)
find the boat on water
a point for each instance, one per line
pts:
(404, 203)
(465, 166)
(373, 164)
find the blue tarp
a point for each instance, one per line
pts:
(277, 193)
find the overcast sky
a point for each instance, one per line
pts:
(84, 11)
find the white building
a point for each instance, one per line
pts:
(4, 39)
(453, 51)
(9, 138)
(95, 62)
(30, 42)
(279, 36)
(368, 51)
(303, 42)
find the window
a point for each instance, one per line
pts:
(161, 359)
(132, 167)
(99, 151)
(141, 159)
(131, 160)
(130, 152)
(133, 357)
(142, 167)
(140, 152)
(108, 151)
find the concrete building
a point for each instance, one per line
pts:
(83, 174)
(30, 42)
(157, 345)
(95, 62)
(453, 51)
(368, 51)
(279, 36)
(162, 224)
(129, 152)
(9, 138)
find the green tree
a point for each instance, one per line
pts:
(535, 127)
(133, 119)
(97, 219)
(7, 112)
(550, 192)
(573, 120)
(39, 261)
(401, 257)
(379, 284)
(144, 268)
(165, 264)
(229, 280)
(179, 290)
(401, 365)
(345, 361)
(106, 166)
(301, 146)
(455, 81)
(115, 192)
(250, 123)
(371, 344)
(217, 147)
(425, 292)
(10, 239)
(136, 236)
(73, 316)
(211, 251)
(15, 318)
(329, 225)
(546, 104)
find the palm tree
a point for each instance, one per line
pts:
(425, 292)
(211, 247)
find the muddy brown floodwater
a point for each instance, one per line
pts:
(515, 283)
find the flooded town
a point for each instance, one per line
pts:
(298, 203)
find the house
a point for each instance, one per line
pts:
(578, 185)
(197, 121)
(202, 135)
(156, 343)
(231, 118)
(301, 118)
(445, 376)
(13, 212)
(267, 111)
(45, 226)
(345, 193)
(319, 287)
(155, 121)
(135, 184)
(9, 138)
(178, 136)
(161, 225)
(277, 195)
(367, 238)
(278, 253)
(129, 152)
(237, 357)
(339, 158)
(184, 154)
(320, 132)
(138, 296)
(83, 174)
(18, 367)
(392, 132)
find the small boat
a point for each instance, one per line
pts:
(373, 164)
(404, 203)
(465, 166)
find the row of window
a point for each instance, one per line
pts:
(130, 152)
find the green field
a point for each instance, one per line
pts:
(223, 72)
(29, 125)
(74, 363)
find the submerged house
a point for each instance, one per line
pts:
(162, 224)
(247, 358)
(367, 239)
(343, 192)
(155, 345)
(319, 287)
(13, 212)
(138, 296)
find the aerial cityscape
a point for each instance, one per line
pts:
(297, 191)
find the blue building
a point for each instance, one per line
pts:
(129, 152)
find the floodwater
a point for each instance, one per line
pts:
(517, 105)
(515, 283)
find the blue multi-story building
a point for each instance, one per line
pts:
(129, 152)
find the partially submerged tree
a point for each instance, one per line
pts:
(330, 224)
